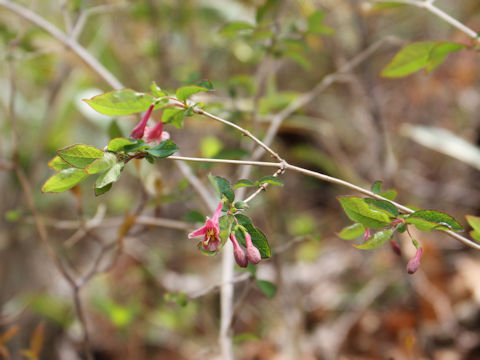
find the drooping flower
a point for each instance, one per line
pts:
(396, 248)
(414, 262)
(155, 135)
(238, 252)
(210, 231)
(253, 255)
(139, 130)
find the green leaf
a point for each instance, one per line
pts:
(173, 116)
(474, 222)
(383, 205)
(419, 55)
(376, 240)
(236, 28)
(268, 289)
(185, 92)
(163, 150)
(475, 235)
(225, 223)
(102, 164)
(409, 59)
(315, 24)
(240, 205)
(272, 180)
(258, 238)
(102, 190)
(439, 53)
(224, 188)
(157, 91)
(122, 102)
(80, 155)
(389, 194)
(351, 232)
(57, 163)
(242, 183)
(135, 146)
(358, 210)
(109, 176)
(117, 144)
(427, 220)
(64, 180)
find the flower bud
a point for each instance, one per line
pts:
(396, 248)
(238, 253)
(414, 262)
(138, 131)
(253, 255)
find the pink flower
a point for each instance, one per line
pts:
(414, 262)
(138, 131)
(210, 231)
(366, 236)
(238, 252)
(156, 135)
(396, 248)
(253, 255)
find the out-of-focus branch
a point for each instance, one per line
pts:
(431, 7)
(91, 61)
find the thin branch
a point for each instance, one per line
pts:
(91, 61)
(431, 7)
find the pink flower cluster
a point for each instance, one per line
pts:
(153, 135)
(211, 240)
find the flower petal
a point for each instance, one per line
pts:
(199, 232)
(216, 216)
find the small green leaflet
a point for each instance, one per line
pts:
(117, 144)
(163, 150)
(376, 240)
(222, 187)
(351, 232)
(102, 164)
(242, 183)
(173, 116)
(80, 155)
(258, 238)
(358, 210)
(474, 222)
(236, 28)
(156, 90)
(272, 180)
(64, 180)
(122, 102)
(138, 145)
(268, 289)
(428, 220)
(102, 190)
(419, 55)
(388, 194)
(109, 176)
(383, 205)
(57, 163)
(185, 92)
(315, 24)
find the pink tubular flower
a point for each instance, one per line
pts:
(238, 252)
(156, 135)
(253, 255)
(138, 131)
(210, 231)
(414, 262)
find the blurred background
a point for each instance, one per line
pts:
(317, 297)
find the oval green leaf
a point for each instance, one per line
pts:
(185, 92)
(102, 164)
(122, 102)
(64, 180)
(57, 163)
(376, 240)
(358, 210)
(80, 155)
(163, 150)
(351, 232)
(117, 144)
(427, 220)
